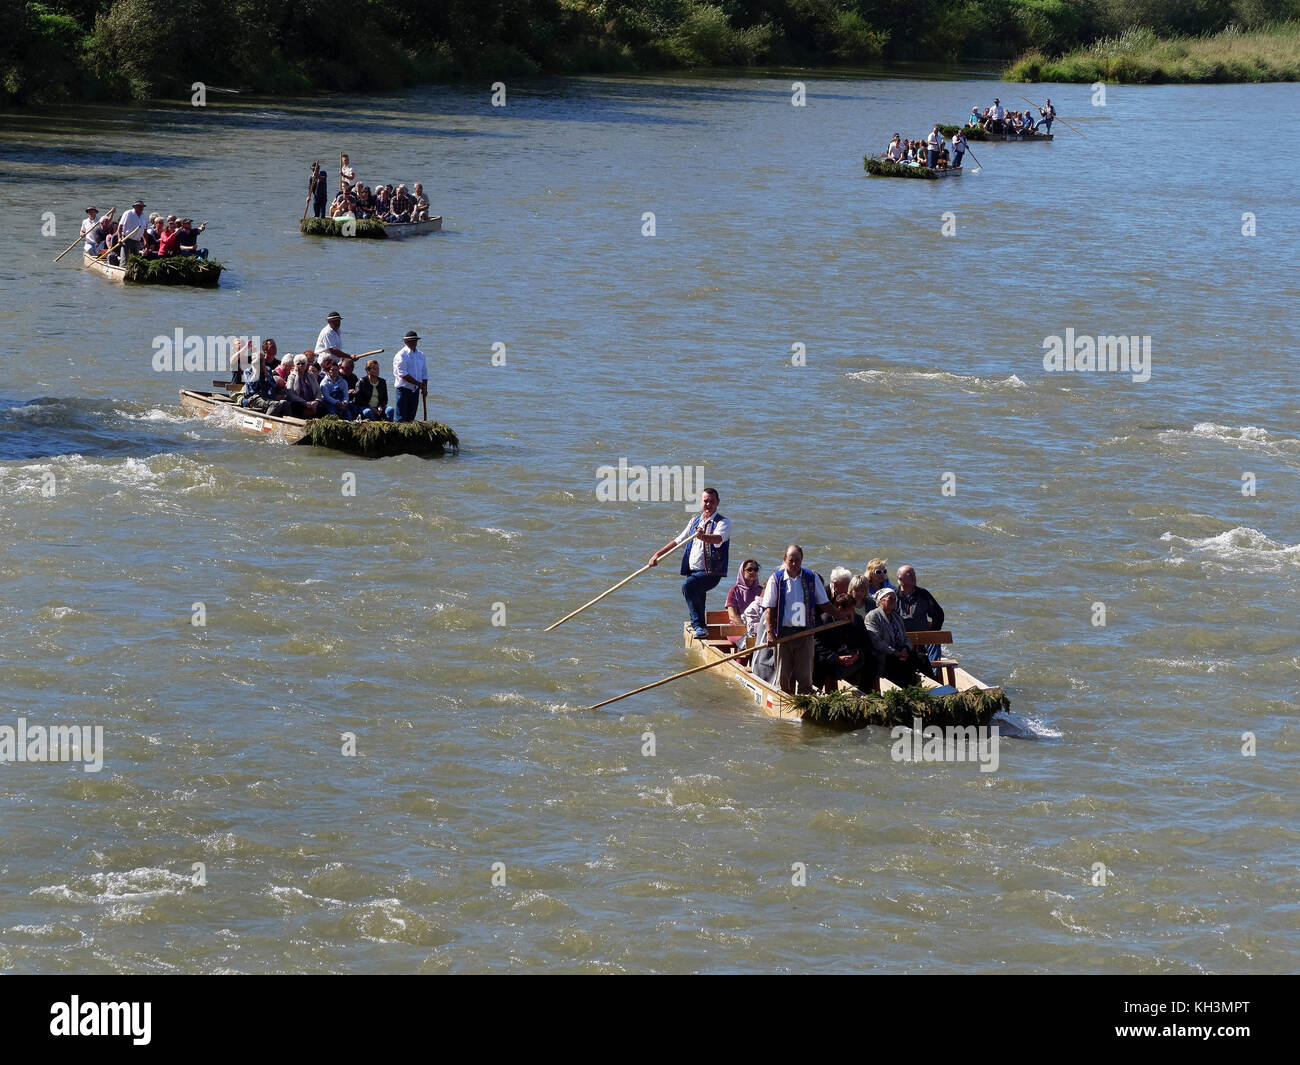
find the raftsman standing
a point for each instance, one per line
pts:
(705, 562)
(410, 378)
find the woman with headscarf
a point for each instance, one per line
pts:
(746, 589)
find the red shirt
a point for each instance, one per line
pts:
(167, 242)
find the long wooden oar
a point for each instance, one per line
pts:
(978, 165)
(82, 236)
(1055, 118)
(367, 354)
(720, 661)
(614, 589)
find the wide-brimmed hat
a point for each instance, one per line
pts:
(138, 203)
(92, 207)
(411, 334)
(332, 315)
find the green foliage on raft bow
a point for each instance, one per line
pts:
(379, 439)
(889, 168)
(973, 133)
(173, 270)
(900, 706)
(365, 228)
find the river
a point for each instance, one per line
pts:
(335, 737)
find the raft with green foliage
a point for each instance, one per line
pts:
(850, 708)
(878, 167)
(367, 228)
(380, 439)
(978, 133)
(367, 439)
(172, 270)
(962, 700)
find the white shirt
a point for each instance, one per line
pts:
(793, 600)
(934, 140)
(409, 361)
(328, 338)
(87, 225)
(349, 174)
(133, 225)
(997, 113)
(721, 527)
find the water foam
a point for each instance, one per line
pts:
(906, 380)
(1246, 437)
(1239, 545)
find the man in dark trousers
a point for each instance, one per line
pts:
(317, 190)
(705, 562)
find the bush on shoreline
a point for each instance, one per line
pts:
(1140, 57)
(60, 51)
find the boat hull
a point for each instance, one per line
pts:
(773, 702)
(103, 267)
(206, 404)
(406, 230)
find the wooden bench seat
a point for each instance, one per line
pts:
(946, 666)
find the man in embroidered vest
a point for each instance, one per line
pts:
(791, 599)
(705, 562)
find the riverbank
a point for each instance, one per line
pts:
(1141, 57)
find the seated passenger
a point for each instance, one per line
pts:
(302, 390)
(372, 394)
(878, 576)
(365, 205)
(168, 240)
(334, 390)
(343, 204)
(382, 202)
(943, 159)
(263, 387)
(400, 207)
(746, 590)
(844, 653)
(919, 610)
(894, 153)
(346, 365)
(896, 659)
(189, 239)
(839, 582)
(419, 205)
(860, 589)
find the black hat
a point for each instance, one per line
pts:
(138, 203)
(332, 315)
(411, 334)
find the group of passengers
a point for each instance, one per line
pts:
(322, 381)
(931, 152)
(872, 643)
(355, 199)
(997, 119)
(153, 236)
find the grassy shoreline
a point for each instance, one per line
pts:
(1140, 57)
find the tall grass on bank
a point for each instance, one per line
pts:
(1140, 57)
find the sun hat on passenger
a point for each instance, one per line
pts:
(884, 592)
